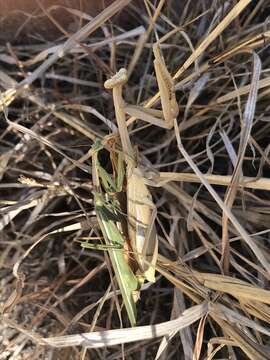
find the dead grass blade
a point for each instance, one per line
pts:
(233, 316)
(242, 91)
(47, 142)
(236, 10)
(244, 139)
(238, 288)
(123, 336)
(257, 251)
(85, 31)
(163, 178)
(252, 350)
(199, 339)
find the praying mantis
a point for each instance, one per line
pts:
(143, 240)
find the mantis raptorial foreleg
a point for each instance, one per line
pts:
(169, 104)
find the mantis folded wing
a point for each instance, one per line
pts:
(141, 228)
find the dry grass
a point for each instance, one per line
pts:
(209, 178)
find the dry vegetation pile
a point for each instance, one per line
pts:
(208, 175)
